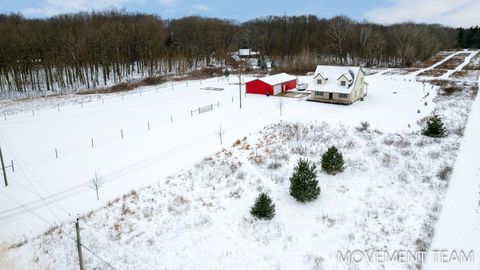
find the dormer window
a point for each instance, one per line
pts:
(319, 81)
(343, 83)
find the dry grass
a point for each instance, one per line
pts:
(465, 75)
(474, 63)
(448, 87)
(454, 62)
(433, 60)
(433, 72)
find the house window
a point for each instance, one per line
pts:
(343, 83)
(319, 94)
(343, 95)
(319, 81)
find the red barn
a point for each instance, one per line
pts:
(272, 85)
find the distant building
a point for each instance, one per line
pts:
(247, 53)
(272, 85)
(337, 84)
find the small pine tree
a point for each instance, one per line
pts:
(226, 73)
(262, 64)
(434, 127)
(332, 161)
(263, 208)
(303, 182)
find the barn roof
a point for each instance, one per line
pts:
(332, 74)
(277, 78)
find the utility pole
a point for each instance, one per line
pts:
(79, 246)
(3, 168)
(240, 84)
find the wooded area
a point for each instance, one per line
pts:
(67, 53)
(469, 38)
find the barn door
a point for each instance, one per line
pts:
(277, 89)
(330, 96)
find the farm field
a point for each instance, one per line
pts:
(187, 188)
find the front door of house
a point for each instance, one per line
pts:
(330, 96)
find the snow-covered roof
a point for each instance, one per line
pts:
(322, 74)
(332, 74)
(347, 75)
(247, 52)
(277, 78)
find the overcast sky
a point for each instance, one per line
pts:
(448, 12)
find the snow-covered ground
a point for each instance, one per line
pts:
(458, 228)
(378, 202)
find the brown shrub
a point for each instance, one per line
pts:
(153, 80)
(447, 91)
(445, 173)
(204, 73)
(18, 244)
(474, 89)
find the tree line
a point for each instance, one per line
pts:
(469, 38)
(69, 52)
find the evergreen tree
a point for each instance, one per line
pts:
(332, 161)
(263, 208)
(262, 64)
(434, 127)
(303, 182)
(226, 73)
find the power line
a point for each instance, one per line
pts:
(118, 245)
(59, 227)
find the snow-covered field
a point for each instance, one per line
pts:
(388, 198)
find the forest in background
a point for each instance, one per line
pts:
(67, 53)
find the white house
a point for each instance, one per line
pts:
(337, 84)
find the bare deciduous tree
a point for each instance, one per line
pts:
(338, 31)
(96, 182)
(220, 133)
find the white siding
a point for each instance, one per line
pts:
(277, 89)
